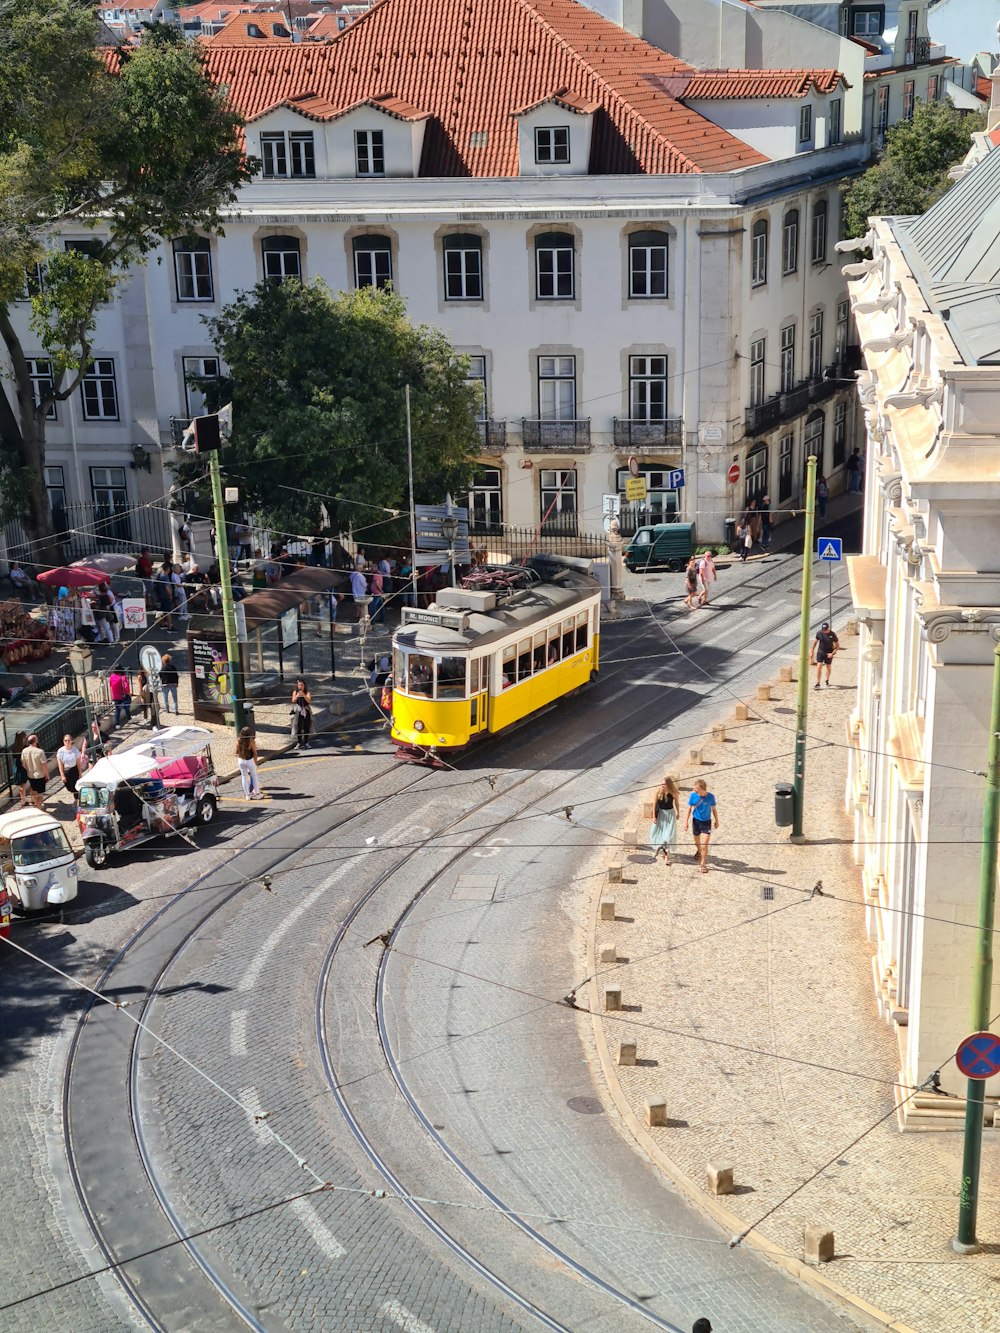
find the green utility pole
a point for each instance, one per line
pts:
(225, 581)
(802, 699)
(982, 982)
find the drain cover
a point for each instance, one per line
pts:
(585, 1105)
(767, 893)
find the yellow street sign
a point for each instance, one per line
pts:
(635, 488)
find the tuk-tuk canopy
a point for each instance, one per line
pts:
(138, 761)
(17, 822)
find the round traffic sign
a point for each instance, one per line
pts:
(734, 474)
(151, 659)
(633, 465)
(978, 1056)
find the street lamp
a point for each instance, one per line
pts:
(449, 530)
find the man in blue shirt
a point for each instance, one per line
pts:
(702, 808)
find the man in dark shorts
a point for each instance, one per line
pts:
(37, 768)
(701, 805)
(824, 648)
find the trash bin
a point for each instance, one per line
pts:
(784, 804)
(730, 533)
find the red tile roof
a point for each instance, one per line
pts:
(984, 87)
(252, 29)
(472, 63)
(742, 83)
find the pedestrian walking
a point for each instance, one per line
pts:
(70, 761)
(169, 680)
(145, 693)
(246, 758)
(301, 713)
(36, 765)
(824, 649)
(751, 530)
(103, 609)
(706, 575)
(822, 494)
(20, 772)
(663, 833)
(121, 696)
(691, 583)
(165, 594)
(359, 591)
(702, 808)
(765, 523)
(854, 466)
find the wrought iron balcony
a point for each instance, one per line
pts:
(918, 51)
(634, 434)
(493, 435)
(539, 434)
(763, 416)
(795, 401)
(784, 407)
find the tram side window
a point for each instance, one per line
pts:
(474, 683)
(421, 679)
(508, 676)
(581, 630)
(451, 678)
(538, 651)
(553, 645)
(524, 659)
(568, 635)
(399, 668)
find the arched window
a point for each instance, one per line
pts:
(647, 263)
(759, 238)
(554, 276)
(282, 258)
(372, 261)
(790, 241)
(463, 267)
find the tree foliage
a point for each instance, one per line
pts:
(129, 149)
(912, 171)
(317, 386)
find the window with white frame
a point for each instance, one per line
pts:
(557, 388)
(282, 258)
(867, 22)
(882, 113)
(369, 153)
(805, 124)
(554, 277)
(840, 435)
(755, 485)
(786, 455)
(790, 241)
(34, 283)
(463, 267)
(486, 500)
(843, 316)
(55, 489)
(40, 374)
(836, 120)
(557, 495)
(932, 88)
(107, 489)
(302, 153)
(372, 261)
(647, 388)
(786, 371)
(552, 144)
(288, 155)
(662, 501)
(647, 264)
(908, 99)
(193, 269)
(759, 237)
(816, 346)
(757, 353)
(819, 220)
(197, 371)
(475, 378)
(99, 391)
(813, 439)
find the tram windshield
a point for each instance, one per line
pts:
(451, 678)
(435, 677)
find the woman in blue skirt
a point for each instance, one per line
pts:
(663, 832)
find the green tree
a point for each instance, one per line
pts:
(912, 171)
(316, 381)
(132, 148)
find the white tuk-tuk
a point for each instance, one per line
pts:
(36, 861)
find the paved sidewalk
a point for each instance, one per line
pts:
(752, 1006)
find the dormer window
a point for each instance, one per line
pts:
(292, 154)
(805, 125)
(369, 152)
(552, 144)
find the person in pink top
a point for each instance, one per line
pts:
(121, 696)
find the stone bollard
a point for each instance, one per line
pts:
(818, 1245)
(612, 998)
(615, 872)
(742, 713)
(656, 1112)
(626, 1052)
(786, 675)
(609, 954)
(694, 756)
(720, 1178)
(607, 909)
(630, 837)
(719, 732)
(763, 693)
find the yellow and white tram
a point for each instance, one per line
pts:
(470, 665)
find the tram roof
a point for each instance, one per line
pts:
(566, 588)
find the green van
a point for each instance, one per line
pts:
(660, 546)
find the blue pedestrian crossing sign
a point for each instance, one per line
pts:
(830, 549)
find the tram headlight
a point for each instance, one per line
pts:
(418, 725)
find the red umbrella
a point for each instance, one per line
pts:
(73, 576)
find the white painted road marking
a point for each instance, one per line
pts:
(320, 1232)
(238, 1035)
(254, 972)
(402, 1318)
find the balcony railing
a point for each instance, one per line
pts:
(633, 434)
(541, 434)
(763, 416)
(795, 402)
(786, 406)
(493, 435)
(918, 51)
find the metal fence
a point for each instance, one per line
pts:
(86, 529)
(518, 543)
(50, 706)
